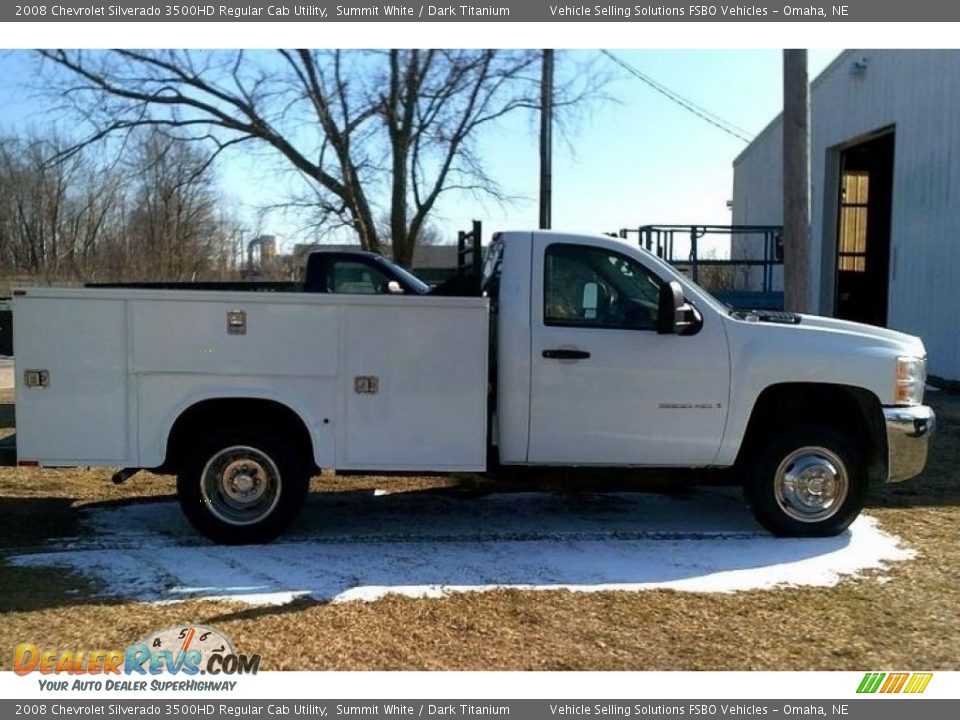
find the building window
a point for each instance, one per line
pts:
(854, 197)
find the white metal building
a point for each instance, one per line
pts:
(885, 174)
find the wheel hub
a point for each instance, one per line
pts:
(244, 481)
(241, 485)
(811, 484)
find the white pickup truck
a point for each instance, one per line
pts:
(578, 351)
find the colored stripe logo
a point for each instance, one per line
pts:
(894, 682)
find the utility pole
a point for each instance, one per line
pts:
(546, 140)
(796, 181)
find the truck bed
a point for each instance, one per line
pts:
(124, 363)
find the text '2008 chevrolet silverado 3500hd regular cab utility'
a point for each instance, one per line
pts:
(574, 351)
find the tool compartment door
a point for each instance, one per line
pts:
(80, 417)
(415, 386)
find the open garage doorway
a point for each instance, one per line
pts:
(863, 230)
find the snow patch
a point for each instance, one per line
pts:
(363, 546)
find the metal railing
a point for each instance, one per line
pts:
(661, 240)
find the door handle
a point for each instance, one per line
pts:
(564, 354)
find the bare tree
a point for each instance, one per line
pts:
(391, 129)
(155, 216)
(52, 215)
(173, 227)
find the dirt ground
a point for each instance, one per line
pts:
(905, 617)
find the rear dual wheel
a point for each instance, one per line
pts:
(242, 486)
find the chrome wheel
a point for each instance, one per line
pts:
(241, 485)
(811, 484)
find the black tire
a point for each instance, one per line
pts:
(267, 485)
(807, 481)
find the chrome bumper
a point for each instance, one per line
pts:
(908, 436)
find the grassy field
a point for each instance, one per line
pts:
(904, 618)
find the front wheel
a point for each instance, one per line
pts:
(242, 487)
(808, 481)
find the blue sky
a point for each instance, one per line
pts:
(634, 160)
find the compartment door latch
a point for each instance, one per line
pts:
(366, 384)
(36, 378)
(236, 322)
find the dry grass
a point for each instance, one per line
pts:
(908, 620)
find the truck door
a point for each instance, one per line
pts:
(606, 389)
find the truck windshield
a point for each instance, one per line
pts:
(671, 273)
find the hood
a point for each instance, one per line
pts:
(901, 342)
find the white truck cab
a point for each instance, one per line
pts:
(602, 355)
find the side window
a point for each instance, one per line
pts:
(357, 278)
(593, 287)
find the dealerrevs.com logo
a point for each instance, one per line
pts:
(889, 683)
(186, 650)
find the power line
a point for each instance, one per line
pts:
(688, 105)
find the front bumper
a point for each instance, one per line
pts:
(908, 437)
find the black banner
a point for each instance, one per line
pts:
(494, 11)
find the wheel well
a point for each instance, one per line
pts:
(843, 407)
(253, 412)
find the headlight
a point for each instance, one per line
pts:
(911, 378)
